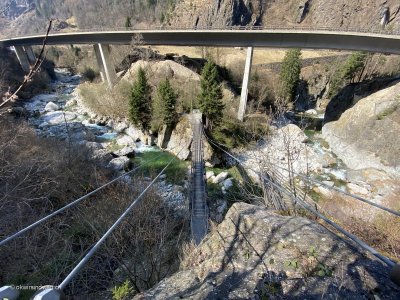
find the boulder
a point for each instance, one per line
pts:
(128, 151)
(71, 102)
(258, 254)
(209, 174)
(74, 131)
(164, 135)
(134, 133)
(58, 117)
(119, 163)
(311, 112)
(125, 140)
(92, 146)
(227, 183)
(101, 156)
(220, 177)
(120, 127)
(357, 189)
(367, 135)
(181, 139)
(51, 106)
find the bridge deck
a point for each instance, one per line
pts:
(274, 38)
(199, 210)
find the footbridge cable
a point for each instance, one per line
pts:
(56, 292)
(71, 204)
(363, 245)
(309, 179)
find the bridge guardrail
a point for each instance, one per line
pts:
(382, 31)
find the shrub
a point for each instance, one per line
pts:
(89, 74)
(123, 291)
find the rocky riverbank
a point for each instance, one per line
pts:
(112, 143)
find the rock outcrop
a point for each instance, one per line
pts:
(220, 13)
(365, 15)
(179, 141)
(287, 145)
(367, 135)
(257, 254)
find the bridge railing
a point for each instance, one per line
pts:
(381, 30)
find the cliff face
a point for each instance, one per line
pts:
(257, 254)
(367, 135)
(342, 14)
(218, 13)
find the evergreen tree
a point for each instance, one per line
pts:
(347, 72)
(290, 74)
(210, 97)
(166, 98)
(128, 22)
(140, 102)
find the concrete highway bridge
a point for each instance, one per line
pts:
(305, 38)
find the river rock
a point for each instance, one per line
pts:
(209, 174)
(125, 140)
(134, 133)
(92, 146)
(51, 106)
(311, 112)
(58, 117)
(102, 156)
(220, 177)
(71, 102)
(74, 131)
(128, 151)
(119, 163)
(356, 189)
(120, 127)
(227, 183)
(367, 135)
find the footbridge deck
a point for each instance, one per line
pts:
(198, 203)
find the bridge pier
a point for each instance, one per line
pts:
(31, 55)
(22, 58)
(245, 84)
(106, 67)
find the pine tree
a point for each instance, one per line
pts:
(210, 97)
(140, 102)
(166, 98)
(128, 22)
(290, 74)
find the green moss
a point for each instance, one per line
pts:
(176, 172)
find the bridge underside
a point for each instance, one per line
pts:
(384, 43)
(372, 42)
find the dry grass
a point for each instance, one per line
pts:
(97, 98)
(38, 176)
(229, 56)
(377, 228)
